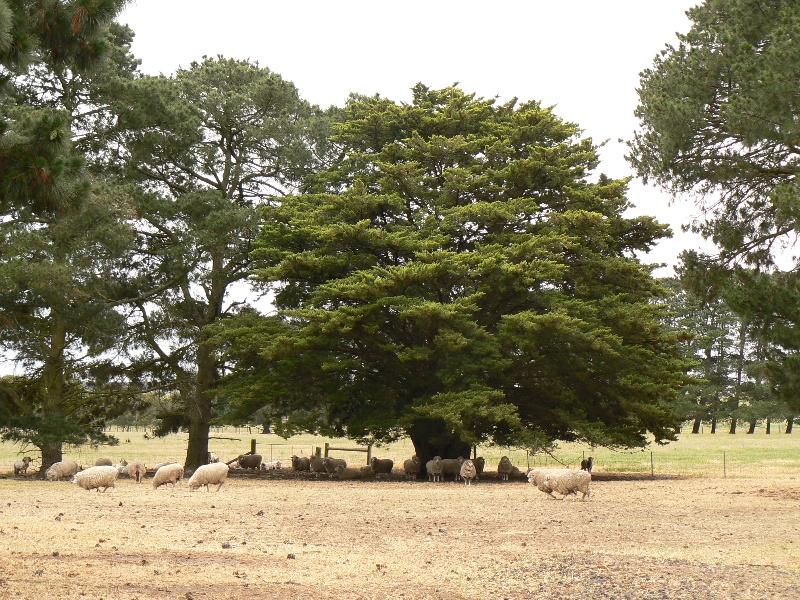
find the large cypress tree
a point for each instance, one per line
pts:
(455, 277)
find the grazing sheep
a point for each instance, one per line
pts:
(468, 472)
(21, 465)
(505, 468)
(381, 466)
(452, 466)
(103, 462)
(412, 466)
(347, 473)
(434, 468)
(300, 463)
(94, 478)
(480, 465)
(272, 465)
(250, 461)
(64, 468)
(330, 464)
(536, 477)
(136, 470)
(168, 473)
(587, 464)
(316, 464)
(207, 475)
(568, 482)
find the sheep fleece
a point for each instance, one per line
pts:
(214, 473)
(97, 477)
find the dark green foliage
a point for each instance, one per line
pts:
(456, 277)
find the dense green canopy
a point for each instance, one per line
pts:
(456, 277)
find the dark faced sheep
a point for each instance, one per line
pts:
(381, 466)
(505, 468)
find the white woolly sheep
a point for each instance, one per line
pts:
(168, 473)
(381, 466)
(207, 475)
(434, 468)
(21, 465)
(568, 482)
(347, 473)
(330, 464)
(94, 478)
(505, 468)
(250, 461)
(271, 465)
(452, 466)
(536, 477)
(61, 469)
(412, 466)
(468, 472)
(136, 469)
(300, 463)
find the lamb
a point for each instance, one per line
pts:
(103, 462)
(21, 465)
(505, 468)
(468, 472)
(250, 461)
(587, 464)
(64, 468)
(452, 466)
(94, 478)
(568, 482)
(300, 463)
(330, 464)
(168, 473)
(136, 470)
(207, 475)
(271, 465)
(381, 466)
(347, 473)
(434, 468)
(412, 467)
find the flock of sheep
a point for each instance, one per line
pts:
(104, 474)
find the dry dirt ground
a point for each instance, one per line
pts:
(281, 536)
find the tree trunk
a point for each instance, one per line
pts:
(696, 425)
(769, 426)
(734, 421)
(714, 425)
(431, 438)
(51, 454)
(752, 428)
(200, 409)
(789, 423)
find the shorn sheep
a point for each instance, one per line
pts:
(250, 461)
(168, 473)
(412, 467)
(94, 478)
(468, 472)
(434, 468)
(569, 482)
(208, 475)
(300, 463)
(381, 466)
(61, 470)
(21, 465)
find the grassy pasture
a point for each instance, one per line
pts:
(682, 534)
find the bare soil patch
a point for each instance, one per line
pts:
(282, 536)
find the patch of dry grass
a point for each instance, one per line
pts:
(267, 537)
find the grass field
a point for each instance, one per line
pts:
(684, 533)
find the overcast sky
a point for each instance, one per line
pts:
(581, 56)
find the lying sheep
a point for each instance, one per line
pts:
(366, 471)
(103, 462)
(468, 472)
(61, 469)
(94, 478)
(381, 466)
(347, 473)
(168, 473)
(412, 467)
(136, 470)
(330, 464)
(250, 461)
(316, 464)
(452, 466)
(300, 463)
(272, 465)
(434, 468)
(207, 475)
(568, 482)
(21, 465)
(505, 468)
